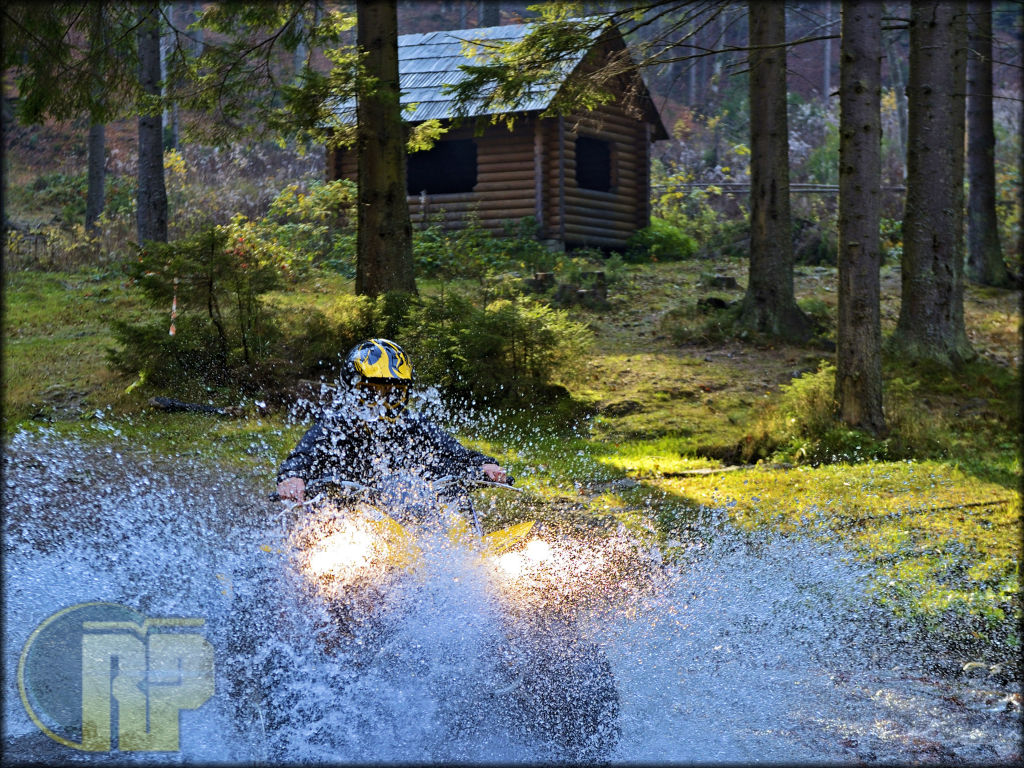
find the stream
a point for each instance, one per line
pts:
(741, 649)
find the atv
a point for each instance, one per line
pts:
(350, 548)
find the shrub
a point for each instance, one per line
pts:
(822, 163)
(315, 341)
(307, 227)
(804, 426)
(707, 321)
(807, 406)
(215, 280)
(218, 184)
(891, 240)
(62, 191)
(913, 430)
(508, 349)
(447, 253)
(815, 242)
(473, 252)
(660, 241)
(712, 216)
(52, 248)
(228, 333)
(582, 266)
(821, 315)
(64, 194)
(1008, 181)
(317, 224)
(524, 250)
(801, 425)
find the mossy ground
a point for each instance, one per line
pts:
(662, 408)
(944, 546)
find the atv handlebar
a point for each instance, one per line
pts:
(349, 488)
(320, 490)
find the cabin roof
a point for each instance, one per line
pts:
(428, 61)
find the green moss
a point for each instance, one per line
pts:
(941, 542)
(643, 458)
(56, 333)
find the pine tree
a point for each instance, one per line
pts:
(985, 263)
(769, 305)
(858, 333)
(931, 321)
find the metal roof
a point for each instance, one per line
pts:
(428, 61)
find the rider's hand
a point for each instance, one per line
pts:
(494, 473)
(292, 489)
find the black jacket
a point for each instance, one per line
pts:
(342, 447)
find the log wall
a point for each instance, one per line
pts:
(596, 218)
(531, 172)
(506, 186)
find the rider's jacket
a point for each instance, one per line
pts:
(340, 446)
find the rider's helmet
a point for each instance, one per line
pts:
(380, 372)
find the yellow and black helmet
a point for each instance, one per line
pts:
(379, 361)
(380, 372)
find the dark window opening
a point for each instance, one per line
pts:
(449, 166)
(338, 167)
(593, 164)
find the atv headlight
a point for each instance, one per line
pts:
(535, 554)
(344, 554)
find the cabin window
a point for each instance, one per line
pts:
(448, 167)
(593, 164)
(338, 167)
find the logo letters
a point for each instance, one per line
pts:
(134, 681)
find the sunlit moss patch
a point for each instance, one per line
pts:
(941, 542)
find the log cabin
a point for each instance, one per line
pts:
(584, 177)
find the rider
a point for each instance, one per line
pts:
(369, 430)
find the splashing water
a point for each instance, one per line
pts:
(742, 649)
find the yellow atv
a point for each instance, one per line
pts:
(350, 549)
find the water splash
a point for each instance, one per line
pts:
(741, 649)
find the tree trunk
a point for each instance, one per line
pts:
(985, 263)
(1019, 277)
(152, 194)
(199, 36)
(859, 333)
(301, 50)
(715, 81)
(931, 322)
(97, 151)
(170, 115)
(490, 13)
(826, 70)
(690, 68)
(898, 75)
(384, 240)
(97, 174)
(770, 305)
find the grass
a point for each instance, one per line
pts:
(944, 546)
(56, 334)
(664, 412)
